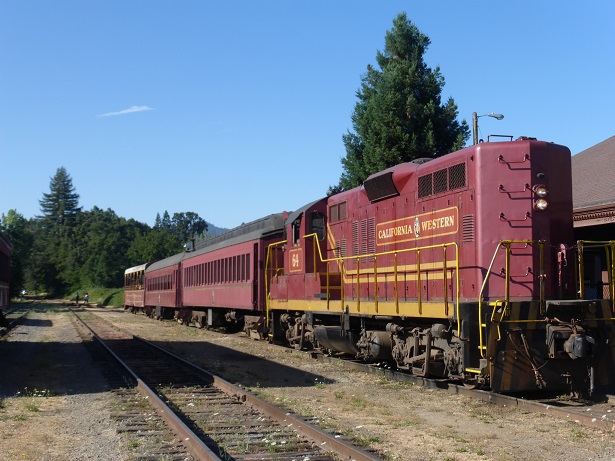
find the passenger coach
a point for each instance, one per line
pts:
(134, 287)
(219, 283)
(223, 280)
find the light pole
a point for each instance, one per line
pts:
(475, 122)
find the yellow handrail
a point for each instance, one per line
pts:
(267, 298)
(505, 304)
(609, 247)
(444, 246)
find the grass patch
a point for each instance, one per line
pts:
(364, 440)
(406, 424)
(132, 444)
(31, 395)
(32, 406)
(113, 297)
(358, 402)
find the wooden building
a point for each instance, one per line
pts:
(594, 210)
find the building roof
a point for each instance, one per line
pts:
(593, 192)
(592, 183)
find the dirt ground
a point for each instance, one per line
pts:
(54, 404)
(401, 421)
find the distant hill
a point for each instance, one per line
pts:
(212, 231)
(215, 230)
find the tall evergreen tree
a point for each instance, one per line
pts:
(165, 223)
(61, 205)
(399, 115)
(55, 261)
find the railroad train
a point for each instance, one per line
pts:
(5, 274)
(5, 270)
(462, 267)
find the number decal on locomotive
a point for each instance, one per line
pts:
(296, 260)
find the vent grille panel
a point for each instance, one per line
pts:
(468, 228)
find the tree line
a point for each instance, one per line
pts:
(67, 248)
(399, 116)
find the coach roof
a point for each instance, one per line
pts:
(136, 269)
(254, 230)
(170, 261)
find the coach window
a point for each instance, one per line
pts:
(317, 224)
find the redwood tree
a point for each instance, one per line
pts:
(399, 115)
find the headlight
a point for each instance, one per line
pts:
(540, 190)
(540, 204)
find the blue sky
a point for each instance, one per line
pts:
(236, 109)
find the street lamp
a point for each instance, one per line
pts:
(475, 122)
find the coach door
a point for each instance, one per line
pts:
(176, 283)
(257, 272)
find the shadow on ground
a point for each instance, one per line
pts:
(33, 356)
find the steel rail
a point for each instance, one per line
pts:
(193, 443)
(327, 442)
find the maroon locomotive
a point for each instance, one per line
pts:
(458, 267)
(461, 267)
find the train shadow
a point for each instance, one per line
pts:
(34, 368)
(245, 369)
(31, 361)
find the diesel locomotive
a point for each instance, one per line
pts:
(462, 267)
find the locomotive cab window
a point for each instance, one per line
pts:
(317, 224)
(296, 230)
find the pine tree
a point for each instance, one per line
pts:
(399, 115)
(55, 260)
(61, 205)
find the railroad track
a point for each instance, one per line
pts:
(598, 414)
(214, 419)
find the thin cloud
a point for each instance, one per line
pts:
(130, 110)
